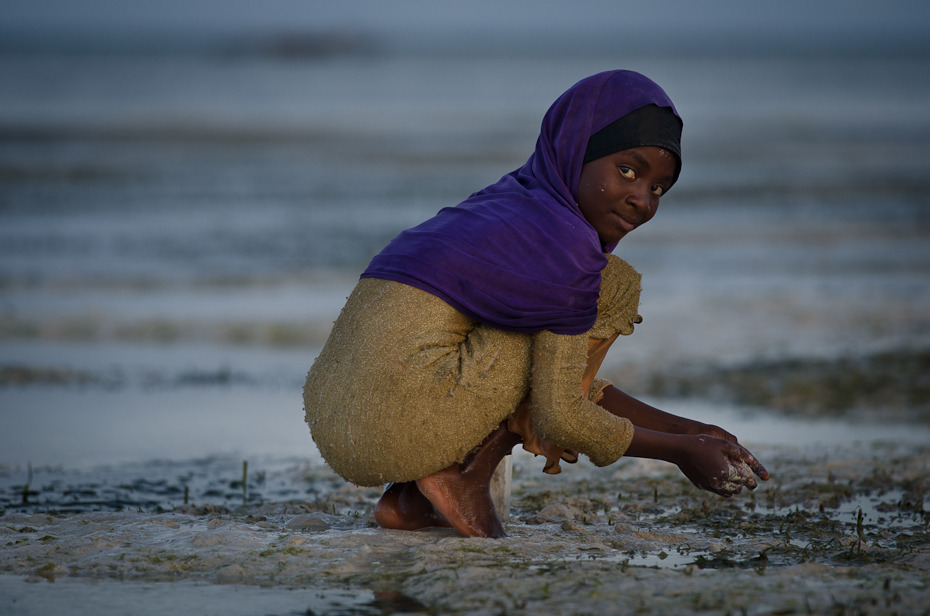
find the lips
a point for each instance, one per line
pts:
(625, 224)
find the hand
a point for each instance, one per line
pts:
(712, 430)
(719, 465)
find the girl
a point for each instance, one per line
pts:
(484, 327)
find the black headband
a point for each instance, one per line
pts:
(649, 125)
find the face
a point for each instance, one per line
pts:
(621, 191)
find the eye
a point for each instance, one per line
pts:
(627, 172)
(658, 191)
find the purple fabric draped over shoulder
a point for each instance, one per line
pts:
(519, 255)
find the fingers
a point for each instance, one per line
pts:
(756, 466)
(748, 480)
(744, 455)
(726, 490)
(718, 432)
(722, 467)
(739, 475)
(741, 454)
(729, 437)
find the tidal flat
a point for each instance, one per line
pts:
(843, 530)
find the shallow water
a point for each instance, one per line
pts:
(111, 597)
(172, 403)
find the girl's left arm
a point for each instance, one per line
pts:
(645, 416)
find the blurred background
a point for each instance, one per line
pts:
(189, 190)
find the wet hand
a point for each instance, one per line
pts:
(720, 466)
(714, 431)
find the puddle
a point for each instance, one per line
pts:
(38, 597)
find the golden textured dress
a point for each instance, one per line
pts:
(406, 385)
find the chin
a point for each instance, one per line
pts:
(614, 239)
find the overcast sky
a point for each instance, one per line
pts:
(393, 15)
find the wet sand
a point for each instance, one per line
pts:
(838, 529)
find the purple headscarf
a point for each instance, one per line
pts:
(519, 255)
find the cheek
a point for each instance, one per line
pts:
(653, 208)
(592, 191)
(598, 192)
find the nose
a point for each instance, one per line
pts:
(640, 197)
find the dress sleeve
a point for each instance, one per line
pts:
(596, 391)
(562, 412)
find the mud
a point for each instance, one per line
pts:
(843, 530)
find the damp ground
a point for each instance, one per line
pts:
(841, 529)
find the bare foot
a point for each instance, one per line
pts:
(403, 507)
(462, 492)
(465, 503)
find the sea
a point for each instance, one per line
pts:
(181, 222)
